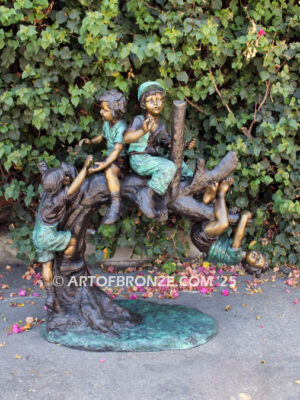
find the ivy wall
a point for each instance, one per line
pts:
(234, 62)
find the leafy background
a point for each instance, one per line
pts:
(234, 62)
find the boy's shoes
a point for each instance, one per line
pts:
(146, 202)
(162, 210)
(52, 302)
(113, 213)
(163, 215)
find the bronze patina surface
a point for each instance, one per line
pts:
(161, 183)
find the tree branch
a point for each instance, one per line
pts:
(148, 5)
(177, 144)
(202, 176)
(219, 93)
(248, 132)
(194, 105)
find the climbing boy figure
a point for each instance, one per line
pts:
(147, 136)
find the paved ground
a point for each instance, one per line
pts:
(229, 367)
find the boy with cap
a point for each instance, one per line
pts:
(146, 136)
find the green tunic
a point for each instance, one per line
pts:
(221, 251)
(114, 134)
(46, 238)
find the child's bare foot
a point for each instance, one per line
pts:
(210, 192)
(225, 185)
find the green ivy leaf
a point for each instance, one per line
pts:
(182, 76)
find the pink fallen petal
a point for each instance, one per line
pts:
(296, 301)
(102, 360)
(290, 282)
(133, 297)
(261, 326)
(45, 308)
(203, 290)
(288, 291)
(225, 292)
(15, 328)
(35, 294)
(22, 292)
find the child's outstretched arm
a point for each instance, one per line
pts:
(109, 159)
(96, 140)
(133, 136)
(78, 181)
(240, 229)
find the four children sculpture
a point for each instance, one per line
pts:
(147, 137)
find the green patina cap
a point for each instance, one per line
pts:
(148, 86)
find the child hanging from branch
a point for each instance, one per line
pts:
(206, 236)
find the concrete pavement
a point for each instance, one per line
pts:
(251, 358)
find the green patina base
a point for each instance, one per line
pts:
(164, 327)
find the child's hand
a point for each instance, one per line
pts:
(88, 161)
(86, 141)
(98, 166)
(147, 124)
(191, 144)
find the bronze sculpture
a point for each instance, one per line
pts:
(146, 136)
(86, 307)
(206, 235)
(58, 191)
(112, 108)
